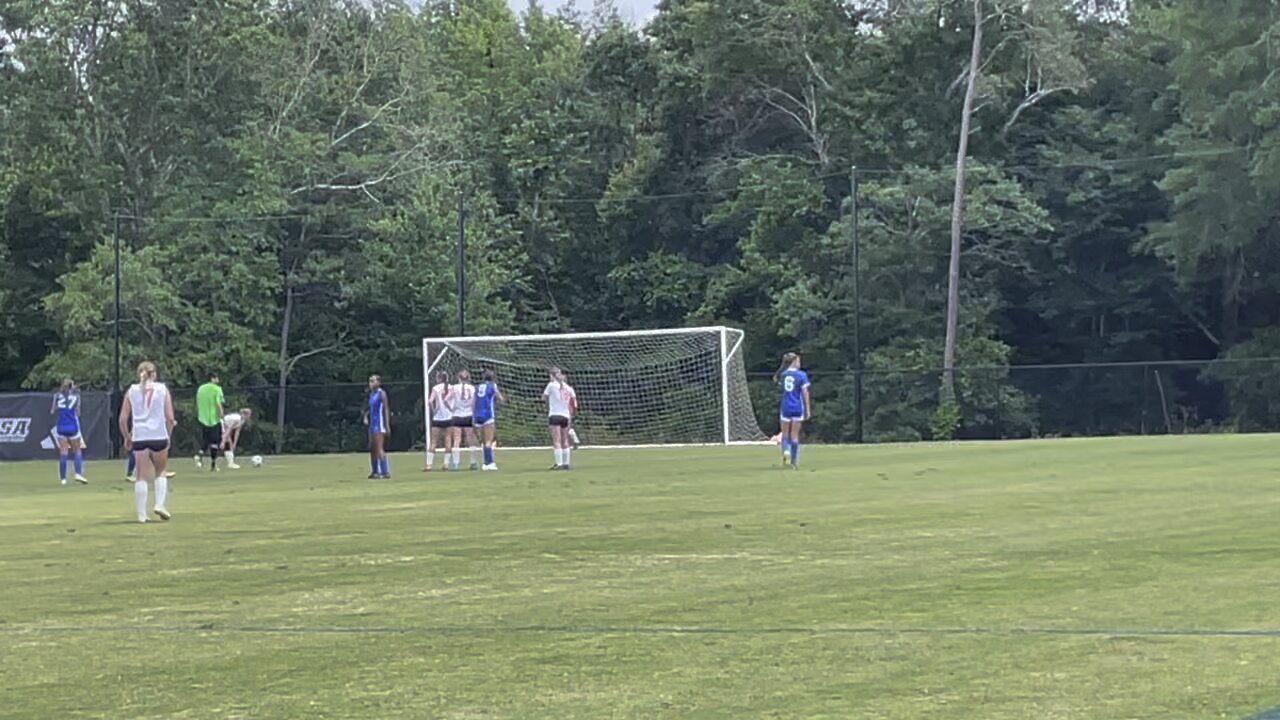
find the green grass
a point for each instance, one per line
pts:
(1065, 579)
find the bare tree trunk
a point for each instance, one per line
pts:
(281, 387)
(957, 213)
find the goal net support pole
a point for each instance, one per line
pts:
(637, 388)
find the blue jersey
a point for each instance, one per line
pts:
(793, 384)
(378, 411)
(486, 393)
(68, 419)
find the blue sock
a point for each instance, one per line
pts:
(488, 455)
(374, 466)
(62, 466)
(386, 466)
(133, 465)
(786, 446)
(795, 452)
(79, 462)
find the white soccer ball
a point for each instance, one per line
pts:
(256, 461)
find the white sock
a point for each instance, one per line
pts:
(431, 456)
(473, 455)
(140, 497)
(566, 452)
(457, 456)
(231, 458)
(162, 490)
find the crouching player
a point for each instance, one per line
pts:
(232, 423)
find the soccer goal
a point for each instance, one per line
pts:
(635, 388)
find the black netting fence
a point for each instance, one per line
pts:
(1042, 401)
(897, 406)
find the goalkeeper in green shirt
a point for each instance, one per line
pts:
(209, 402)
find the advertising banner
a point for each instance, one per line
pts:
(27, 425)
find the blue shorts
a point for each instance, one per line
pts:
(482, 421)
(792, 416)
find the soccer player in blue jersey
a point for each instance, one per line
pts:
(66, 408)
(795, 407)
(377, 415)
(486, 419)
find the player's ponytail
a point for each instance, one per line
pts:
(67, 386)
(146, 373)
(787, 359)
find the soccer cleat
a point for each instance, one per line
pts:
(233, 467)
(169, 473)
(474, 467)
(489, 468)
(374, 476)
(556, 467)
(161, 513)
(142, 518)
(199, 462)
(64, 481)
(82, 479)
(130, 479)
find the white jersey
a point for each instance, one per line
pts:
(462, 400)
(559, 399)
(439, 395)
(232, 421)
(147, 407)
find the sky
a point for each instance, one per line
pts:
(636, 11)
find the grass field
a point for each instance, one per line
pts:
(1131, 578)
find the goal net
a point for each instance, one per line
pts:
(634, 388)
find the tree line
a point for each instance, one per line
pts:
(284, 177)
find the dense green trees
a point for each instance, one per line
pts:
(285, 177)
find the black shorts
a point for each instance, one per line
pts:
(150, 445)
(463, 422)
(212, 435)
(442, 423)
(558, 421)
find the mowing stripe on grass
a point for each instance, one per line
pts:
(658, 630)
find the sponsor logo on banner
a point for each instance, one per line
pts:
(14, 430)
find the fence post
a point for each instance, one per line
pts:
(999, 404)
(857, 305)
(1146, 398)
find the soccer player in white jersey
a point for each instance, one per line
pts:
(146, 424)
(232, 424)
(441, 413)
(462, 407)
(560, 399)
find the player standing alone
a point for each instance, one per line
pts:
(795, 407)
(66, 407)
(441, 420)
(486, 419)
(209, 412)
(146, 424)
(377, 415)
(560, 401)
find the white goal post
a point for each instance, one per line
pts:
(635, 388)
